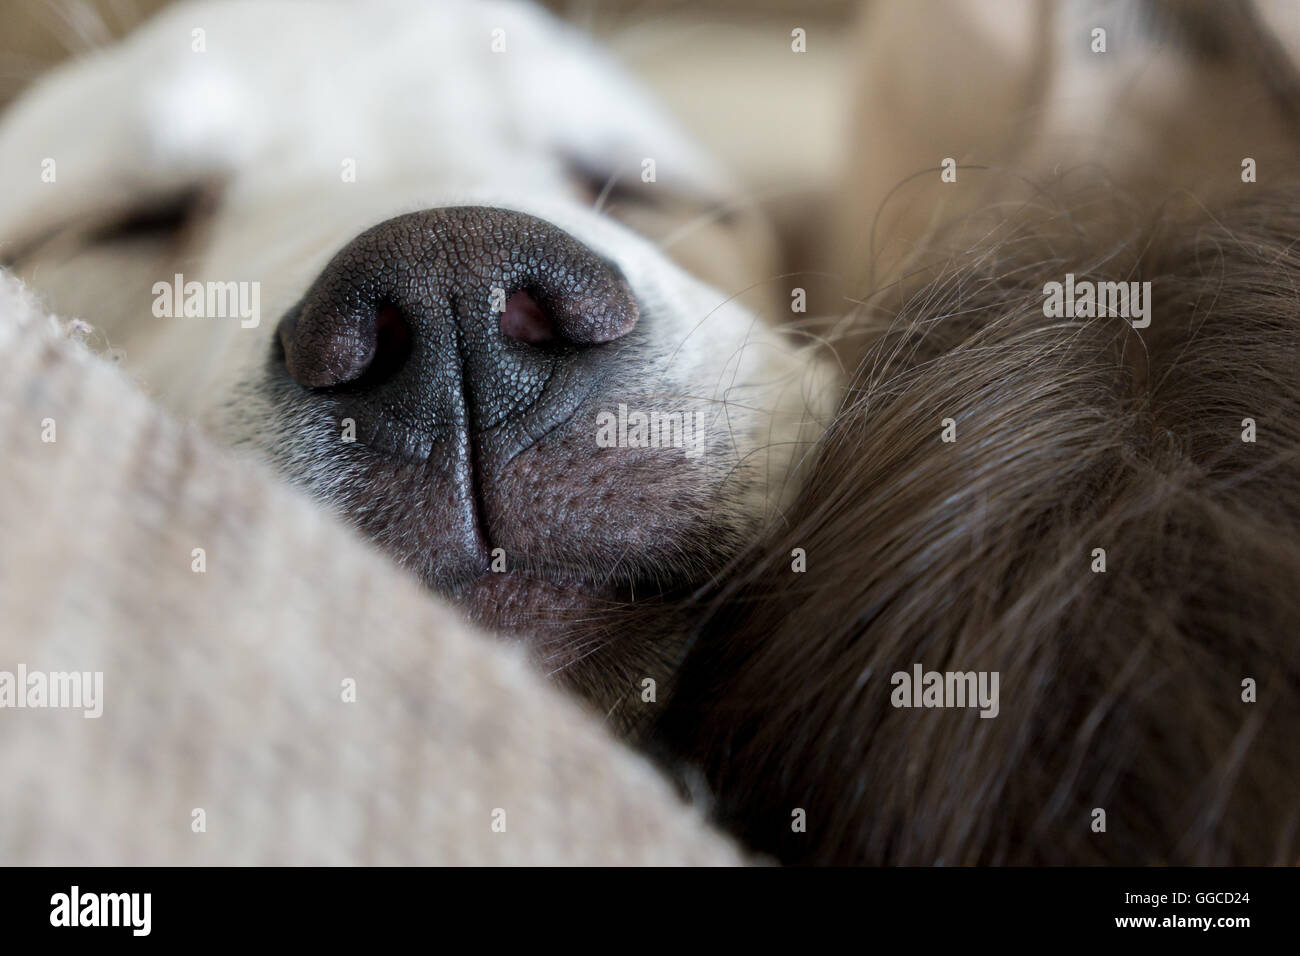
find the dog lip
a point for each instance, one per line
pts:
(531, 600)
(550, 575)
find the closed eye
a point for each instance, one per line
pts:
(605, 188)
(165, 223)
(167, 218)
(654, 207)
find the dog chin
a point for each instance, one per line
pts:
(539, 605)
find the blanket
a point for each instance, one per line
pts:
(270, 689)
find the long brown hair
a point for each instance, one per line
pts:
(1163, 691)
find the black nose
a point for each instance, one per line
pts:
(458, 322)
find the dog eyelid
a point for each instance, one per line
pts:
(606, 187)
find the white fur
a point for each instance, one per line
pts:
(413, 93)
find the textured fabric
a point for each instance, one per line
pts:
(223, 690)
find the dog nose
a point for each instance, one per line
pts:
(458, 320)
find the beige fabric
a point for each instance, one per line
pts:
(223, 690)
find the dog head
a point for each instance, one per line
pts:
(492, 306)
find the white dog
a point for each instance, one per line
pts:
(522, 399)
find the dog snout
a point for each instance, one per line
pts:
(459, 320)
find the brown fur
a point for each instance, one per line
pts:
(1120, 690)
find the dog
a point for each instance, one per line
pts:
(959, 576)
(549, 421)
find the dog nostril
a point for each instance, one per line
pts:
(524, 320)
(324, 354)
(410, 301)
(392, 342)
(320, 354)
